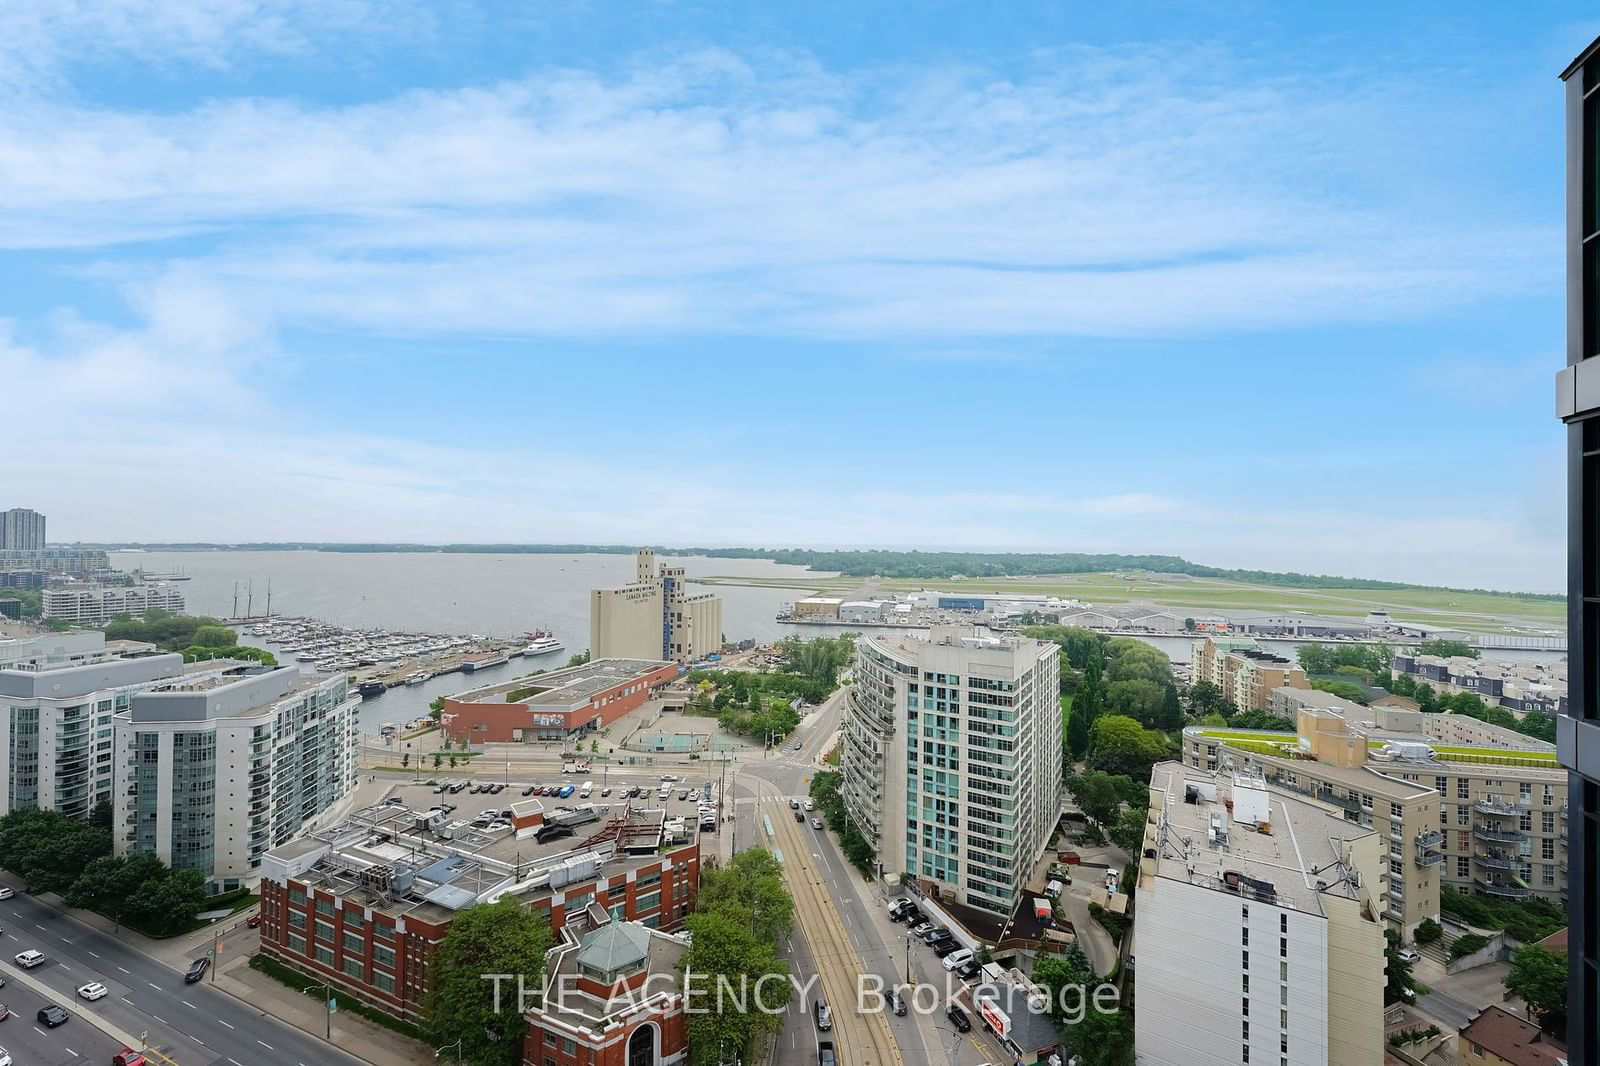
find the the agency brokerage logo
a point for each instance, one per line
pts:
(705, 993)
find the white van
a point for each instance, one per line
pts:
(588, 787)
(664, 792)
(957, 959)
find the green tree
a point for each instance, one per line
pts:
(1538, 977)
(1399, 987)
(1447, 649)
(100, 817)
(1101, 1039)
(1127, 832)
(753, 883)
(208, 636)
(167, 905)
(1204, 699)
(725, 950)
(1100, 795)
(437, 759)
(1054, 973)
(1136, 698)
(1077, 738)
(1120, 745)
(503, 937)
(1428, 930)
(1170, 716)
(405, 760)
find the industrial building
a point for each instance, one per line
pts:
(951, 759)
(560, 705)
(1259, 932)
(364, 904)
(655, 617)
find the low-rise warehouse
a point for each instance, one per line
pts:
(559, 705)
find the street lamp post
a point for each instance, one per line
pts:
(327, 1003)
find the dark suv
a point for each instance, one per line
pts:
(958, 1018)
(51, 1016)
(197, 970)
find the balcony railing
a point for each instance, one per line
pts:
(1503, 889)
(1345, 802)
(1483, 832)
(1491, 861)
(1499, 808)
(1429, 858)
(1430, 839)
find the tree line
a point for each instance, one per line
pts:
(53, 852)
(197, 637)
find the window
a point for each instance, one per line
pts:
(1283, 1019)
(1246, 1006)
(353, 942)
(324, 906)
(354, 967)
(1244, 935)
(1283, 923)
(324, 930)
(1283, 947)
(324, 955)
(383, 956)
(383, 982)
(297, 920)
(1246, 955)
(1283, 971)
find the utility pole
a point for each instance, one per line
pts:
(216, 951)
(908, 960)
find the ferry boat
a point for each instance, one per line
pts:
(541, 643)
(372, 688)
(417, 678)
(496, 658)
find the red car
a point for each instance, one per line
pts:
(128, 1057)
(255, 920)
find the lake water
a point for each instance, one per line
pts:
(436, 592)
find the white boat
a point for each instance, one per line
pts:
(543, 646)
(493, 659)
(417, 678)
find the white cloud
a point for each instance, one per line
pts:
(1100, 195)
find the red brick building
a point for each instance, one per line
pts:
(615, 1000)
(560, 705)
(364, 904)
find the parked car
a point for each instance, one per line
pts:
(912, 916)
(437, 789)
(957, 958)
(566, 790)
(29, 959)
(1408, 955)
(824, 1017)
(5, 1012)
(530, 790)
(197, 969)
(683, 796)
(6, 893)
(921, 928)
(945, 948)
(92, 991)
(958, 1018)
(934, 934)
(969, 969)
(51, 1016)
(897, 1001)
(605, 792)
(128, 1057)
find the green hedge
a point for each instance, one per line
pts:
(301, 983)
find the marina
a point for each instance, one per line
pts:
(379, 659)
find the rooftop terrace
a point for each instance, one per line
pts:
(564, 687)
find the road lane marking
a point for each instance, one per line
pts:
(96, 955)
(152, 984)
(38, 1030)
(160, 1019)
(224, 1023)
(74, 1054)
(197, 1040)
(186, 1003)
(266, 1045)
(124, 971)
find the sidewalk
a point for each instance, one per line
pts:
(355, 1035)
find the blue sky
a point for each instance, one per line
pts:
(1239, 281)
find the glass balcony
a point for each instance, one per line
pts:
(1429, 858)
(1430, 839)
(1342, 802)
(1499, 808)
(1490, 860)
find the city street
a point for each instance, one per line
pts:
(31, 1043)
(764, 786)
(192, 1024)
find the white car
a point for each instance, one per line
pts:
(5, 1057)
(6, 893)
(957, 959)
(1408, 955)
(29, 959)
(92, 991)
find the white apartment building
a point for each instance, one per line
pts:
(56, 726)
(21, 529)
(951, 759)
(97, 606)
(1259, 935)
(215, 768)
(51, 649)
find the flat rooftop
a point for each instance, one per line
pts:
(567, 686)
(1201, 840)
(391, 857)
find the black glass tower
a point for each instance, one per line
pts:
(1578, 404)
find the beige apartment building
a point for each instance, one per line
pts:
(654, 618)
(1479, 816)
(1246, 674)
